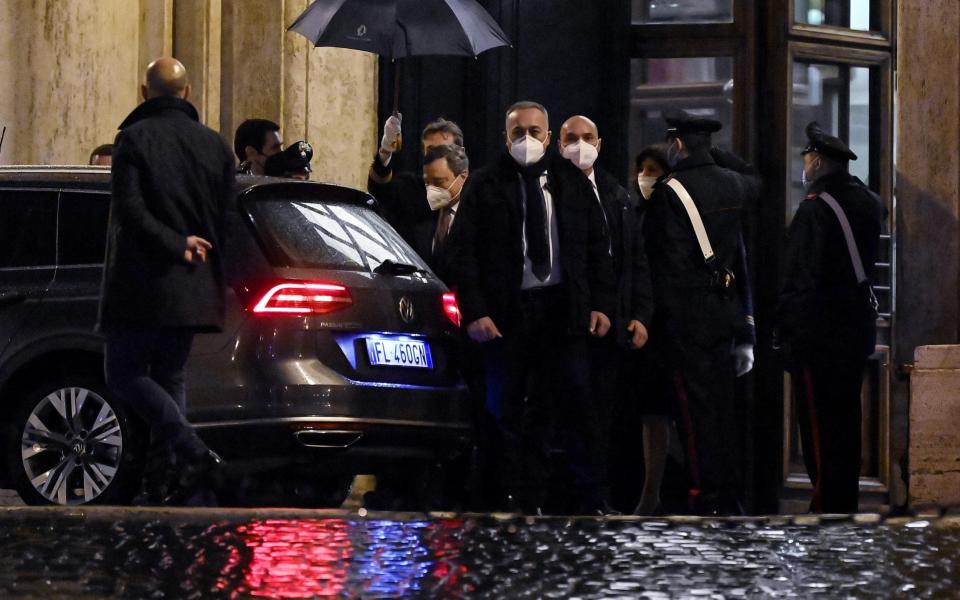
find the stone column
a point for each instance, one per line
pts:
(156, 31)
(70, 76)
(928, 241)
(928, 175)
(252, 62)
(197, 45)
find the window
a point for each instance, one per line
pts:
(702, 86)
(28, 229)
(682, 11)
(316, 234)
(837, 97)
(83, 228)
(848, 14)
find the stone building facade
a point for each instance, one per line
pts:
(71, 69)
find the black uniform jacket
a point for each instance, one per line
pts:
(403, 203)
(630, 285)
(690, 314)
(822, 310)
(485, 249)
(171, 178)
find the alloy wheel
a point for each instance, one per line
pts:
(71, 446)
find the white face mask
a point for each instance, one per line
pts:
(439, 198)
(527, 151)
(581, 153)
(646, 183)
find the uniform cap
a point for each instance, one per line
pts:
(680, 121)
(294, 158)
(821, 142)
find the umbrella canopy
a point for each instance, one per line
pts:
(400, 28)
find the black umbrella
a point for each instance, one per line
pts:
(401, 28)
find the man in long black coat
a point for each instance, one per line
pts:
(626, 279)
(826, 319)
(172, 180)
(528, 234)
(702, 334)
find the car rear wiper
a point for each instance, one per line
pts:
(388, 267)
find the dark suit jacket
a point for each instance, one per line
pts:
(822, 310)
(485, 250)
(630, 286)
(690, 314)
(171, 178)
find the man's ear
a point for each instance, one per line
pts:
(546, 142)
(250, 152)
(144, 91)
(599, 143)
(186, 91)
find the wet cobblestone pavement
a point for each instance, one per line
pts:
(141, 553)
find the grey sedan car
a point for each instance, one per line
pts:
(338, 356)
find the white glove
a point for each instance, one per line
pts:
(743, 355)
(391, 134)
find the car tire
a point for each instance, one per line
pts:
(74, 443)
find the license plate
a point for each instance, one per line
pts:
(387, 352)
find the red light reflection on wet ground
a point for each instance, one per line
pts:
(309, 558)
(283, 558)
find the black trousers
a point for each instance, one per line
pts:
(538, 390)
(827, 393)
(145, 369)
(702, 391)
(609, 392)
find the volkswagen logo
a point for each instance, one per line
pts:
(405, 307)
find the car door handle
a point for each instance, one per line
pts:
(8, 298)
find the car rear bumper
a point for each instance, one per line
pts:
(334, 443)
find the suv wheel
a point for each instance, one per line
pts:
(74, 444)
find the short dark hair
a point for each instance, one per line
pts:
(252, 132)
(442, 125)
(101, 150)
(525, 104)
(455, 156)
(655, 152)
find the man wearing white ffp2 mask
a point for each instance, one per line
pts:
(445, 170)
(615, 354)
(401, 195)
(526, 243)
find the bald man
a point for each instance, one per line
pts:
(163, 277)
(627, 279)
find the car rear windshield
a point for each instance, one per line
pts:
(330, 235)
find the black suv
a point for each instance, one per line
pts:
(338, 350)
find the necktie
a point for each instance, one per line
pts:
(535, 222)
(443, 228)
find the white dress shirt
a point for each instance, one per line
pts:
(530, 280)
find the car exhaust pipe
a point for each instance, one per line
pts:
(327, 438)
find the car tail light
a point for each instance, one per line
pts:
(451, 309)
(303, 299)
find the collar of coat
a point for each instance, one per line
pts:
(697, 159)
(833, 181)
(158, 105)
